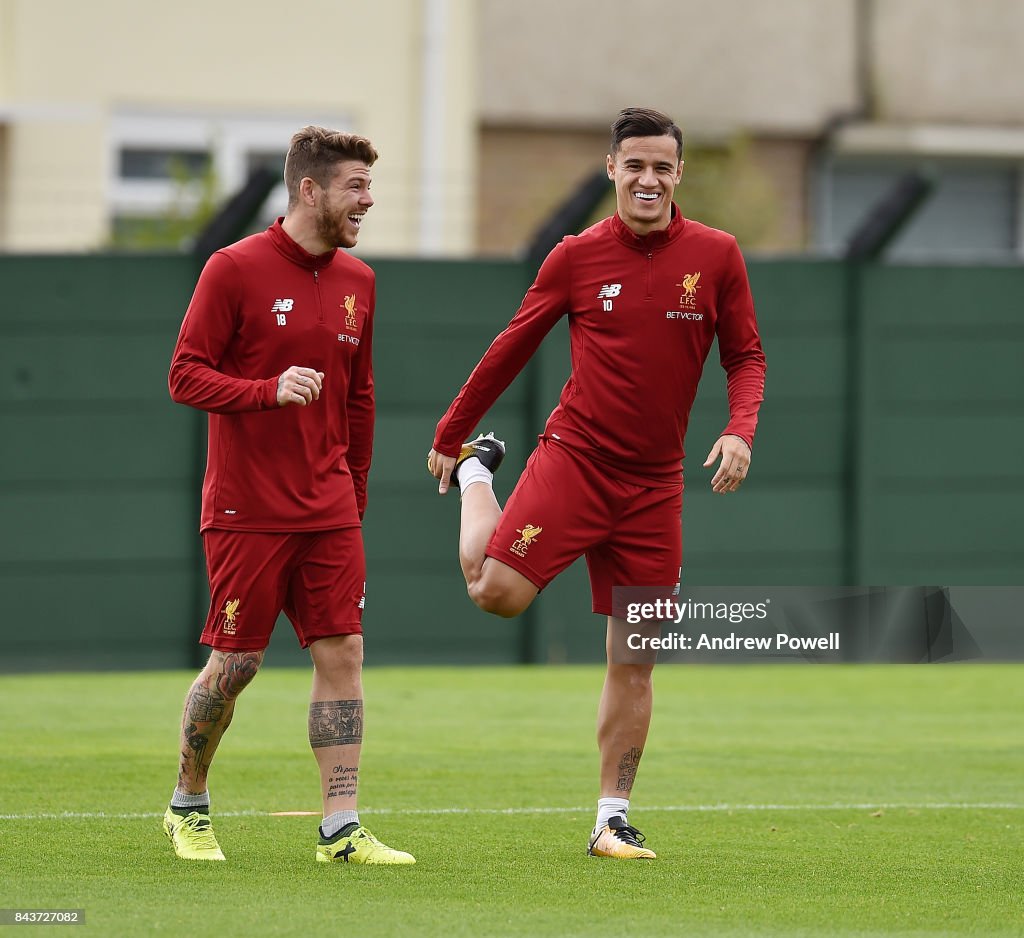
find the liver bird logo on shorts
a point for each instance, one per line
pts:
(350, 312)
(230, 616)
(529, 535)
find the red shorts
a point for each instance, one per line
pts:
(564, 506)
(317, 578)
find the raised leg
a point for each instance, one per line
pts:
(494, 586)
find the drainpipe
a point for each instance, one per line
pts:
(432, 126)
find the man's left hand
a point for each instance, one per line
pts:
(734, 466)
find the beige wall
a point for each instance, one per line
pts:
(950, 61)
(714, 65)
(776, 75)
(781, 67)
(69, 67)
(526, 173)
(527, 89)
(6, 47)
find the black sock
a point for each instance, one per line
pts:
(186, 811)
(344, 832)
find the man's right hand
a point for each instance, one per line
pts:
(299, 386)
(440, 467)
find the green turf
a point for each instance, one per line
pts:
(482, 740)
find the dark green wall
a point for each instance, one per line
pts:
(943, 427)
(906, 470)
(98, 467)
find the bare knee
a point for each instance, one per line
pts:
(231, 672)
(340, 656)
(497, 599)
(501, 590)
(636, 677)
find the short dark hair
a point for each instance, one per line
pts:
(644, 122)
(314, 152)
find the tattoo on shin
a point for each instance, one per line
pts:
(627, 769)
(335, 723)
(343, 781)
(209, 707)
(206, 714)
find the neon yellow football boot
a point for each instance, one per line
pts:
(617, 839)
(192, 836)
(359, 846)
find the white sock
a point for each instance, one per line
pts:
(472, 470)
(607, 808)
(335, 822)
(181, 799)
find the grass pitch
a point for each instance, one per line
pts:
(782, 800)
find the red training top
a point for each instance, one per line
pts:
(643, 312)
(261, 306)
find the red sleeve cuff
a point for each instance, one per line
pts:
(746, 437)
(268, 393)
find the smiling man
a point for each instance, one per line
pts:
(275, 346)
(646, 292)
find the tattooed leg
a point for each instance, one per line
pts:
(209, 706)
(623, 719)
(336, 718)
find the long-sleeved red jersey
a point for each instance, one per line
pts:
(643, 312)
(261, 306)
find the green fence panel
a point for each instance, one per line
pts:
(101, 566)
(98, 466)
(942, 439)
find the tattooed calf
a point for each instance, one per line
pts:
(335, 723)
(628, 765)
(343, 785)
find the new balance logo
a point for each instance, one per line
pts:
(282, 306)
(609, 290)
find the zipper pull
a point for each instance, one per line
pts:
(316, 276)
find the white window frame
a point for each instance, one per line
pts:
(1004, 145)
(229, 137)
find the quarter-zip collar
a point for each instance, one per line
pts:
(288, 249)
(652, 241)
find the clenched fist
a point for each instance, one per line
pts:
(299, 386)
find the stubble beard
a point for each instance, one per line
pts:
(330, 227)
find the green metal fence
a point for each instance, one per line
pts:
(907, 471)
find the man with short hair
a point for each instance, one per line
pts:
(646, 292)
(276, 347)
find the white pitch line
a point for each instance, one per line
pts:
(85, 815)
(696, 808)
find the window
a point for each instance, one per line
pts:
(169, 172)
(973, 213)
(162, 163)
